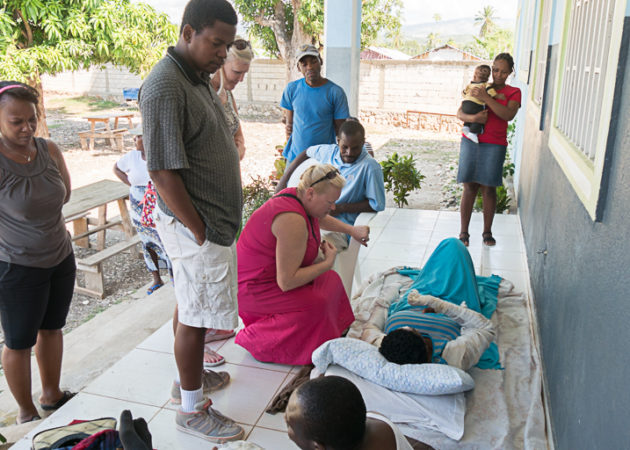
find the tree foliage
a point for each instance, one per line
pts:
(280, 26)
(485, 18)
(493, 43)
(50, 36)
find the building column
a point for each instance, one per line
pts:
(342, 47)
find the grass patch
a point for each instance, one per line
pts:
(79, 105)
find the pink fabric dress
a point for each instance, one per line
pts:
(285, 327)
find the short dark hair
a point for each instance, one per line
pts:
(484, 67)
(333, 412)
(507, 58)
(351, 127)
(404, 347)
(200, 14)
(21, 92)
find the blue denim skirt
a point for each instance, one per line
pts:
(480, 163)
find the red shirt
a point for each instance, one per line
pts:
(495, 129)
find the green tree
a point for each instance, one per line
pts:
(51, 36)
(437, 17)
(433, 40)
(485, 18)
(281, 26)
(499, 40)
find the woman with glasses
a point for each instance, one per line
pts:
(289, 299)
(239, 58)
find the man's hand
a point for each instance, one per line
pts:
(361, 233)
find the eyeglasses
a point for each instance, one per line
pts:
(241, 44)
(329, 176)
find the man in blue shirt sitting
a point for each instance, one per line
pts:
(364, 190)
(315, 106)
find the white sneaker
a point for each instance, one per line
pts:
(472, 136)
(208, 424)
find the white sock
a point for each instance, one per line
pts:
(190, 399)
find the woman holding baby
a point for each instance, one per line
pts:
(481, 164)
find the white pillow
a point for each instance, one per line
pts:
(365, 360)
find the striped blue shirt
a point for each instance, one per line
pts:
(439, 327)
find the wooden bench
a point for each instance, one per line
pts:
(97, 196)
(115, 136)
(92, 267)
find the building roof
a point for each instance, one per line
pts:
(447, 47)
(373, 52)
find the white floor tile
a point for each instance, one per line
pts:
(271, 439)
(397, 253)
(248, 393)
(142, 376)
(161, 340)
(381, 220)
(87, 406)
(513, 261)
(235, 354)
(166, 436)
(405, 236)
(276, 421)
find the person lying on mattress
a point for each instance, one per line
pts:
(446, 300)
(330, 413)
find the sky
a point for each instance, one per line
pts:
(415, 11)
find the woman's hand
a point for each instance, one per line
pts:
(330, 253)
(480, 117)
(361, 233)
(480, 93)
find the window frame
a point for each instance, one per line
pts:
(584, 175)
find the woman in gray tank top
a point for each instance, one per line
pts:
(37, 268)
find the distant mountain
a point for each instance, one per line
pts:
(453, 27)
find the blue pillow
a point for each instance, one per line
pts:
(365, 360)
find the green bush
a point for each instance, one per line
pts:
(401, 177)
(255, 194)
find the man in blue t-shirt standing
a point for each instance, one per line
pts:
(315, 106)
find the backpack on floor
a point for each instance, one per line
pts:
(69, 435)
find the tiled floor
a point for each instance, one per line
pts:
(141, 380)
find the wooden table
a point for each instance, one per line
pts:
(97, 196)
(113, 135)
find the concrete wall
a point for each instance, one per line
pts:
(581, 285)
(397, 86)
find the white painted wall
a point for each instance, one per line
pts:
(430, 86)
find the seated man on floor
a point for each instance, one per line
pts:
(329, 413)
(364, 190)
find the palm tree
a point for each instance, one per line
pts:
(437, 17)
(485, 18)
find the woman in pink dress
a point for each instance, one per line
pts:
(289, 300)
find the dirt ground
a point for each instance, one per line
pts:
(435, 156)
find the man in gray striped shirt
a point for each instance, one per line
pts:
(194, 164)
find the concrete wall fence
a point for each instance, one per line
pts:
(385, 85)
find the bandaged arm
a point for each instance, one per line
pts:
(477, 332)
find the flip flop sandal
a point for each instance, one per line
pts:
(32, 419)
(67, 395)
(209, 354)
(488, 239)
(464, 237)
(212, 334)
(154, 288)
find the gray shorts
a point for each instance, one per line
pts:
(480, 163)
(205, 276)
